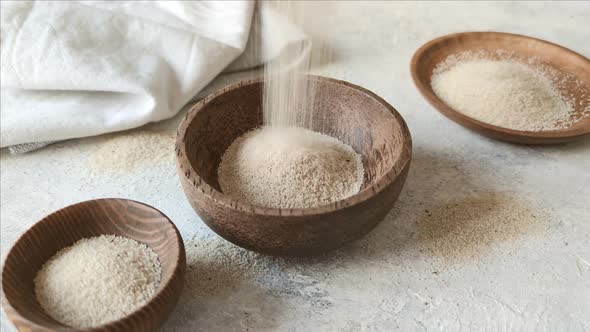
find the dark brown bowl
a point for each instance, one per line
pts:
(343, 110)
(435, 51)
(63, 228)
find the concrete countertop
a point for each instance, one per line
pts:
(537, 278)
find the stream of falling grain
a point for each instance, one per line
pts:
(288, 97)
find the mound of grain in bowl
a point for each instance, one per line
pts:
(506, 90)
(290, 167)
(97, 280)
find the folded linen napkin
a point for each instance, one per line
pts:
(74, 69)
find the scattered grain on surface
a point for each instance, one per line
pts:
(129, 151)
(465, 229)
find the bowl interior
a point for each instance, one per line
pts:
(87, 219)
(567, 61)
(342, 110)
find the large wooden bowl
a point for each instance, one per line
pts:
(343, 110)
(435, 51)
(87, 219)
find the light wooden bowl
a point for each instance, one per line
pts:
(346, 111)
(87, 219)
(432, 53)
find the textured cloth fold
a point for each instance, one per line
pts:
(74, 69)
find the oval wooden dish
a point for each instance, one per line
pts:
(63, 228)
(434, 52)
(343, 110)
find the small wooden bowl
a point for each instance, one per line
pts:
(343, 110)
(432, 53)
(63, 228)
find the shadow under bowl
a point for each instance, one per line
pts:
(63, 228)
(348, 112)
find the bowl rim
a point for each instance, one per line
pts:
(194, 180)
(179, 265)
(425, 89)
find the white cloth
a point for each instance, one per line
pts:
(74, 69)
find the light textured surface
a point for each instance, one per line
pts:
(538, 279)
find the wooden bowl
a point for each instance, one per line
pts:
(63, 228)
(432, 53)
(346, 111)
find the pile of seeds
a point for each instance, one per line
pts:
(97, 280)
(290, 168)
(505, 90)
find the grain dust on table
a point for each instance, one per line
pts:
(130, 151)
(463, 229)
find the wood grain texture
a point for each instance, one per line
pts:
(343, 110)
(87, 219)
(432, 53)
